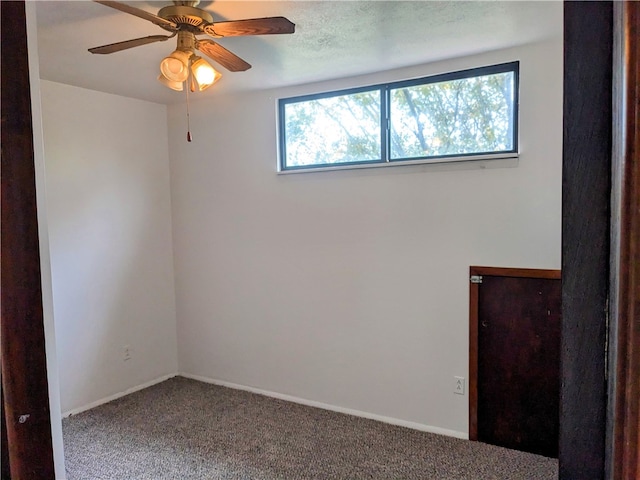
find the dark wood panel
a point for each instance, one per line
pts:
(586, 183)
(24, 377)
(624, 347)
(473, 327)
(519, 363)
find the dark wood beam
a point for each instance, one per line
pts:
(24, 376)
(586, 187)
(624, 344)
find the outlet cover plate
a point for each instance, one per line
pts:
(458, 386)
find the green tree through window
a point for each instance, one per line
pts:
(336, 129)
(456, 117)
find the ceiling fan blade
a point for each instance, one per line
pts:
(254, 26)
(161, 22)
(136, 42)
(224, 57)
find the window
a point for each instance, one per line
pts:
(461, 115)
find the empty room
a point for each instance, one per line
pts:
(336, 253)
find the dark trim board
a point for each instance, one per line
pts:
(623, 412)
(473, 354)
(25, 393)
(516, 272)
(586, 187)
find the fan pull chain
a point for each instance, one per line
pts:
(188, 123)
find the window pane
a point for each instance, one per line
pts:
(456, 117)
(340, 129)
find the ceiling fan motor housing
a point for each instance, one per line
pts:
(186, 41)
(186, 17)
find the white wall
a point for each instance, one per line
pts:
(351, 288)
(107, 180)
(43, 240)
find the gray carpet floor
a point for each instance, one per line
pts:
(184, 429)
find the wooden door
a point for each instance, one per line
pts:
(517, 358)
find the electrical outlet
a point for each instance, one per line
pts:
(458, 386)
(126, 353)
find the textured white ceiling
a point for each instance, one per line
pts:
(333, 39)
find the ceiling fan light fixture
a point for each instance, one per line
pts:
(178, 86)
(175, 67)
(204, 73)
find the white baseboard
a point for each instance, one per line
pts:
(108, 399)
(312, 403)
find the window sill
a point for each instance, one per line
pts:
(478, 161)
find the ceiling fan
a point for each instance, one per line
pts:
(187, 21)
